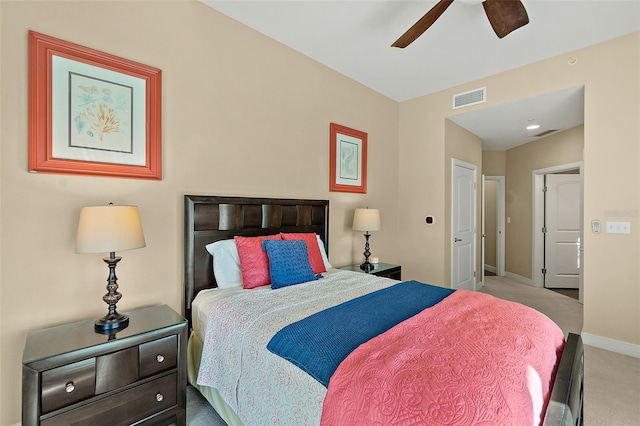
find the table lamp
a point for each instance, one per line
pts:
(107, 229)
(366, 220)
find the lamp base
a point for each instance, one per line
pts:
(111, 322)
(367, 266)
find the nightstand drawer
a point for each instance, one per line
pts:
(125, 407)
(393, 273)
(158, 355)
(116, 370)
(65, 385)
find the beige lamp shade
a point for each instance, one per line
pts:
(366, 220)
(105, 229)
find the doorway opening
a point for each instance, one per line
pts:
(543, 254)
(493, 226)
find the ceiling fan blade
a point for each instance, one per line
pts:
(423, 24)
(505, 15)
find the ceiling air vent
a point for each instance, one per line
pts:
(545, 133)
(472, 97)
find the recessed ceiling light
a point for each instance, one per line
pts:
(532, 124)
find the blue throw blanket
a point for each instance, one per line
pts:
(318, 344)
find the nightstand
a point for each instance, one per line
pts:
(386, 270)
(73, 375)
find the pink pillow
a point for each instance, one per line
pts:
(254, 263)
(315, 257)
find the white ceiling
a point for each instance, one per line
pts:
(504, 126)
(354, 38)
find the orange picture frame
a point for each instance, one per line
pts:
(92, 113)
(348, 159)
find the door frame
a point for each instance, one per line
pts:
(538, 221)
(501, 224)
(459, 163)
(482, 233)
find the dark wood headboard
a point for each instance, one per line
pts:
(213, 218)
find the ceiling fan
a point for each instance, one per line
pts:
(504, 16)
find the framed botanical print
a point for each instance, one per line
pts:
(348, 159)
(92, 113)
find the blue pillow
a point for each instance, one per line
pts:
(288, 262)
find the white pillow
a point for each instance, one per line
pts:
(226, 263)
(325, 259)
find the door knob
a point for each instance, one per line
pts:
(455, 240)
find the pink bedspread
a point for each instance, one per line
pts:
(472, 359)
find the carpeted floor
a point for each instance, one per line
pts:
(573, 293)
(564, 311)
(199, 412)
(612, 381)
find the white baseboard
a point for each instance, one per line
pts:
(612, 345)
(490, 268)
(522, 280)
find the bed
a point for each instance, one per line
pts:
(250, 384)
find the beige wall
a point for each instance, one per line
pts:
(612, 183)
(610, 73)
(421, 190)
(494, 163)
(557, 149)
(242, 115)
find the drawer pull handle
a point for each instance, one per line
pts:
(159, 397)
(159, 358)
(69, 387)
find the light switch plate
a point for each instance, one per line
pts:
(618, 227)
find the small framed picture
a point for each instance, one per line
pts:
(91, 113)
(348, 160)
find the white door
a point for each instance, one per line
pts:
(563, 206)
(463, 225)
